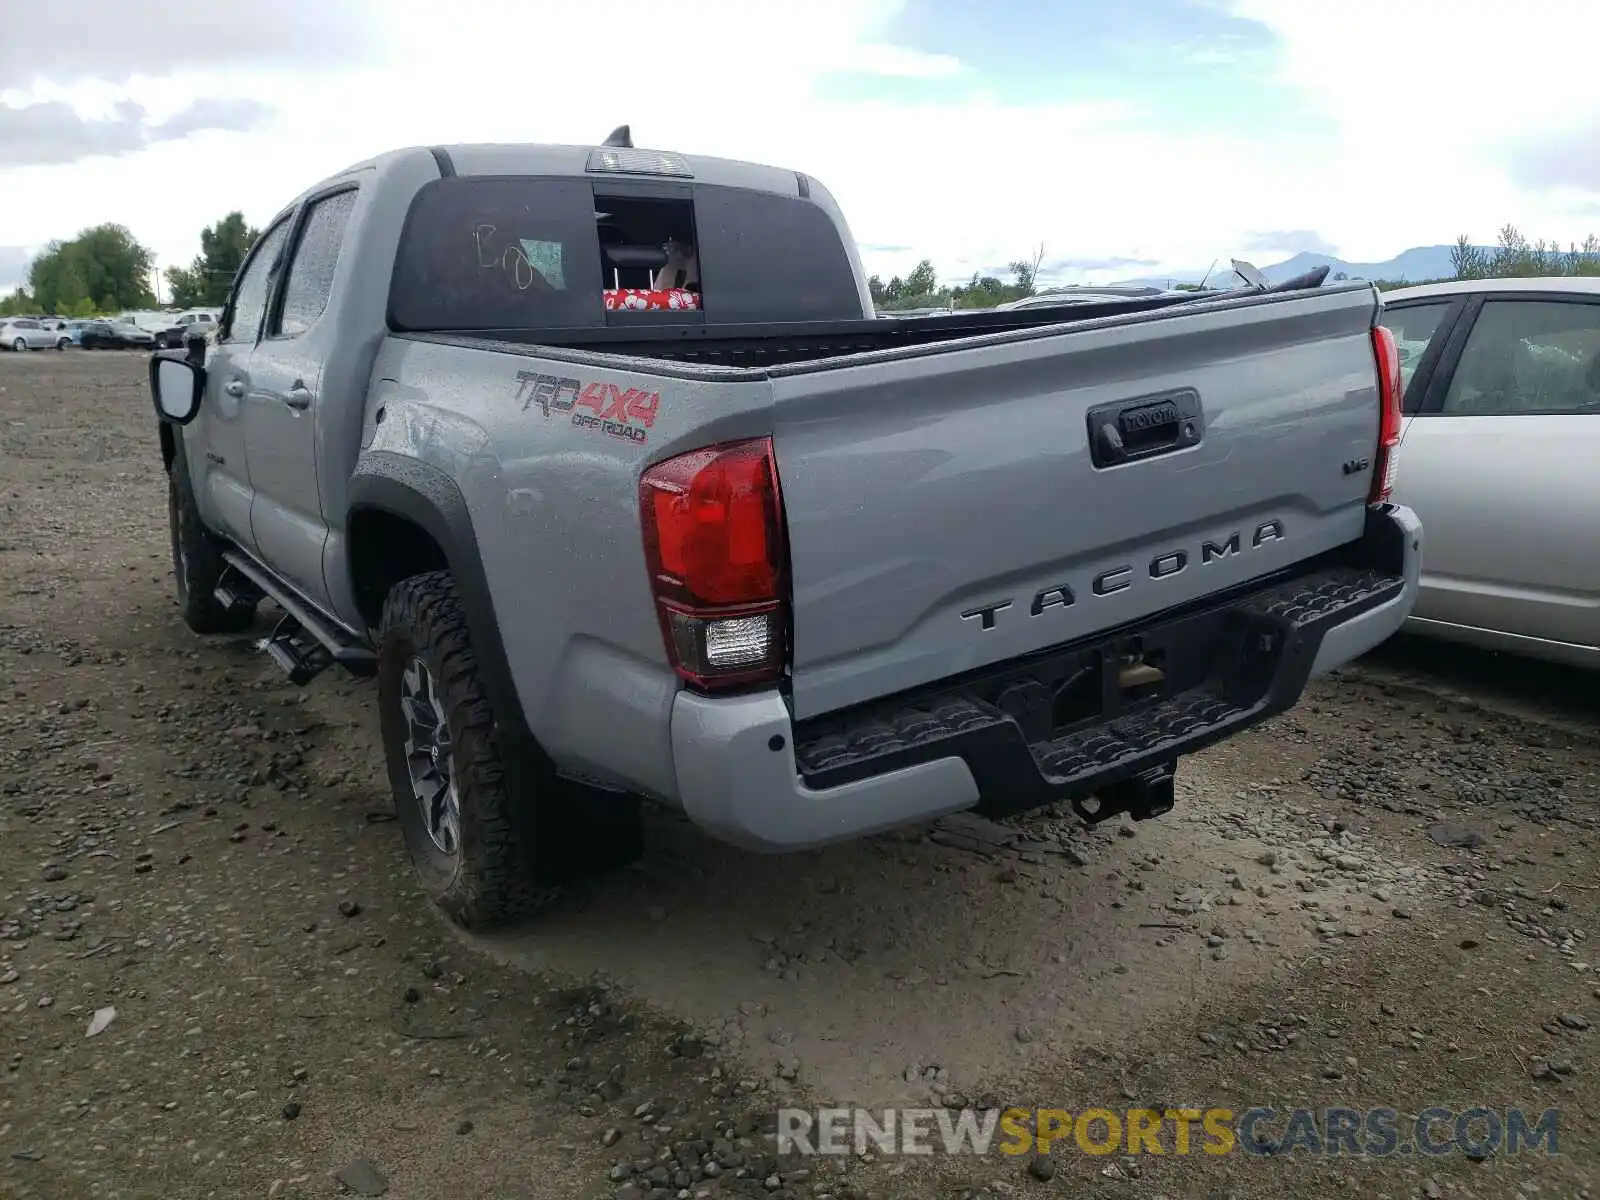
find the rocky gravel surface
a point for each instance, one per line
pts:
(216, 977)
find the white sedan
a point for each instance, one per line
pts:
(1500, 457)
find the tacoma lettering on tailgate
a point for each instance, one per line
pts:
(1120, 579)
(626, 413)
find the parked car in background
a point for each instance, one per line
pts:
(108, 335)
(1502, 434)
(152, 320)
(133, 336)
(30, 333)
(199, 320)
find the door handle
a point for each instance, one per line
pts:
(298, 397)
(234, 387)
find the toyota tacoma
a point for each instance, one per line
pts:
(599, 461)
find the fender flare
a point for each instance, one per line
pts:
(427, 497)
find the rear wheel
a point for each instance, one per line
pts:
(491, 829)
(19, 346)
(197, 564)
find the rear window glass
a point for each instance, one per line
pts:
(772, 258)
(564, 254)
(498, 254)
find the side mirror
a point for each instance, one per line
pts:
(176, 385)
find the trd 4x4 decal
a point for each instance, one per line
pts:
(626, 413)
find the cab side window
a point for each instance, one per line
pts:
(310, 279)
(250, 295)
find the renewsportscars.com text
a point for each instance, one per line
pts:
(1477, 1132)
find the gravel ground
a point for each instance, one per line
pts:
(1380, 899)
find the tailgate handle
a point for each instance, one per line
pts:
(1131, 430)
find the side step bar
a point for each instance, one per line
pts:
(303, 643)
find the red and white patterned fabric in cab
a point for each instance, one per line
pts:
(651, 300)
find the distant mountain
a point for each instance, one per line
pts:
(1413, 265)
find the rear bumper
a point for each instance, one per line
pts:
(1362, 631)
(1046, 729)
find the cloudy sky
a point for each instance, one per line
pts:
(1129, 138)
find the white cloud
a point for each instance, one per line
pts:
(1434, 101)
(109, 40)
(52, 132)
(897, 62)
(962, 178)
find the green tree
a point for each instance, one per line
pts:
(1584, 259)
(185, 289)
(981, 291)
(105, 265)
(19, 301)
(921, 289)
(1468, 261)
(1025, 275)
(1515, 257)
(207, 280)
(922, 281)
(71, 291)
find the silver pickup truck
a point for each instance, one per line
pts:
(598, 460)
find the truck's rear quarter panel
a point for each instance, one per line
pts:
(921, 488)
(551, 482)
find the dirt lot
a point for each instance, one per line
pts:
(1380, 900)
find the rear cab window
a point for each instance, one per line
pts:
(546, 253)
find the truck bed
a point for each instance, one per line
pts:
(759, 347)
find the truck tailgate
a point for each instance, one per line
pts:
(946, 511)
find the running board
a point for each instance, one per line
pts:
(303, 643)
(235, 592)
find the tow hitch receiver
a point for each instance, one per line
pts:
(1148, 794)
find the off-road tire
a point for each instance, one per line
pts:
(524, 832)
(197, 564)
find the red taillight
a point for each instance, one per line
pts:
(714, 543)
(1390, 387)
